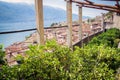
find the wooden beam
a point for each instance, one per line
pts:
(39, 19)
(80, 24)
(99, 5)
(69, 22)
(117, 4)
(102, 8)
(89, 1)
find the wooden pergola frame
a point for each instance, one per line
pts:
(85, 3)
(90, 4)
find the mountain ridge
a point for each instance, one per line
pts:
(21, 12)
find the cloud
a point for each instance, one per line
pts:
(55, 3)
(61, 4)
(19, 1)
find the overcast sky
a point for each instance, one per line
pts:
(62, 4)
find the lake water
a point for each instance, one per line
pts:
(8, 39)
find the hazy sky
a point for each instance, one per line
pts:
(62, 4)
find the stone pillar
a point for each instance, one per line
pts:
(119, 45)
(80, 24)
(102, 22)
(40, 22)
(116, 21)
(54, 33)
(69, 22)
(88, 37)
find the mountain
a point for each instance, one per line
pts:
(21, 12)
(14, 12)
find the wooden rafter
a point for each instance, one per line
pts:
(117, 4)
(102, 8)
(89, 1)
(99, 5)
(90, 4)
(68, 0)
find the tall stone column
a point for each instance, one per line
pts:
(80, 24)
(40, 21)
(69, 22)
(102, 22)
(116, 21)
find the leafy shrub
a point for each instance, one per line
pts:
(55, 62)
(2, 54)
(99, 62)
(109, 38)
(116, 42)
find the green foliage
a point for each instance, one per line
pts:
(19, 59)
(2, 54)
(99, 60)
(92, 20)
(54, 62)
(53, 24)
(110, 38)
(109, 15)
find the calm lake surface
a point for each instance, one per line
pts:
(8, 39)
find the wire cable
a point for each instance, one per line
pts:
(18, 31)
